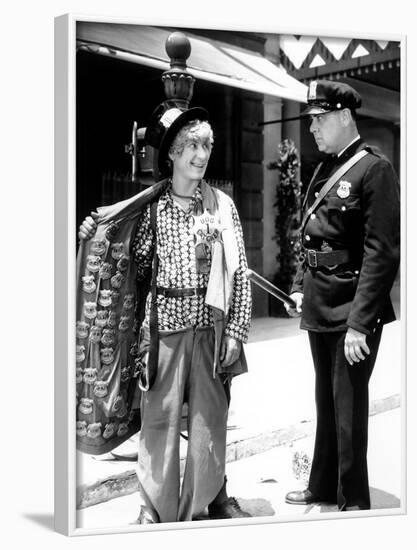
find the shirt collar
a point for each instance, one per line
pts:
(166, 198)
(348, 145)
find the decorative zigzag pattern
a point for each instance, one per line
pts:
(321, 54)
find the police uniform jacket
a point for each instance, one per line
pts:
(360, 214)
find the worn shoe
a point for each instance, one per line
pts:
(228, 509)
(301, 497)
(147, 516)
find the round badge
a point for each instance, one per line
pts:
(109, 430)
(124, 374)
(123, 263)
(86, 405)
(117, 404)
(79, 353)
(94, 430)
(117, 251)
(107, 356)
(81, 428)
(82, 329)
(124, 323)
(89, 284)
(90, 310)
(102, 317)
(95, 334)
(112, 230)
(90, 376)
(105, 271)
(108, 337)
(123, 429)
(104, 298)
(100, 389)
(98, 247)
(117, 280)
(93, 263)
(128, 301)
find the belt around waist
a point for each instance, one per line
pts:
(179, 292)
(314, 258)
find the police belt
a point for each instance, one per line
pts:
(179, 292)
(315, 258)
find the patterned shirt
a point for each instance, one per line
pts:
(178, 268)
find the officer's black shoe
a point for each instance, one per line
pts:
(147, 516)
(228, 509)
(301, 497)
(354, 508)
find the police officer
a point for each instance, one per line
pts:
(351, 239)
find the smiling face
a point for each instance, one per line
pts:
(330, 131)
(190, 151)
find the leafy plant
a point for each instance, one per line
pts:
(288, 207)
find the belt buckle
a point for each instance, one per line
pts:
(312, 258)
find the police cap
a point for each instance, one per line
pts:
(324, 96)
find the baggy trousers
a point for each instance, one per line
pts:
(185, 375)
(339, 471)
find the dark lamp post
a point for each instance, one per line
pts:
(178, 83)
(178, 87)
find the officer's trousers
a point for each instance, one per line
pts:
(185, 375)
(339, 470)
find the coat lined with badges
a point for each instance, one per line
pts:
(359, 214)
(111, 307)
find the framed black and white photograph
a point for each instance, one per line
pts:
(212, 185)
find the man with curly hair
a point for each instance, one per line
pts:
(197, 315)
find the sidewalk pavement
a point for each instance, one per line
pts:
(272, 413)
(260, 483)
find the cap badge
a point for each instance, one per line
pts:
(169, 117)
(344, 189)
(312, 91)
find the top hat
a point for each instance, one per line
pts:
(165, 123)
(324, 96)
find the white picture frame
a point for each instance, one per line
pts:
(65, 228)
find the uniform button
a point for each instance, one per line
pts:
(356, 272)
(313, 216)
(316, 194)
(308, 237)
(343, 208)
(378, 320)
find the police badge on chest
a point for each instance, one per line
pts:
(344, 189)
(206, 232)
